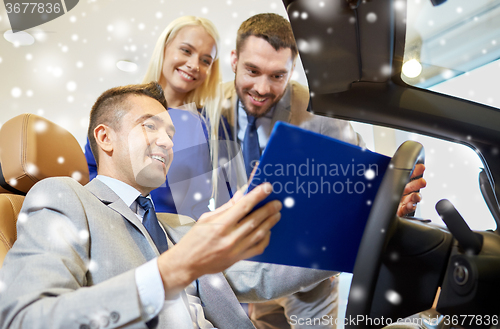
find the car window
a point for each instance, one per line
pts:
(452, 172)
(453, 49)
(456, 44)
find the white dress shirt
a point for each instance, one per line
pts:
(183, 310)
(263, 126)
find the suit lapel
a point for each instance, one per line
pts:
(113, 201)
(282, 111)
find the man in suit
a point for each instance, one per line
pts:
(262, 94)
(96, 256)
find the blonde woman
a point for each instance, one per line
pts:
(185, 62)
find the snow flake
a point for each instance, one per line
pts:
(16, 92)
(447, 74)
(83, 235)
(215, 281)
(55, 71)
(357, 293)
(93, 266)
(71, 86)
(289, 202)
(22, 218)
(223, 161)
(40, 126)
(386, 70)
(393, 297)
(32, 169)
(399, 5)
(370, 174)
(77, 175)
(371, 17)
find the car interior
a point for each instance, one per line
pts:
(354, 53)
(357, 75)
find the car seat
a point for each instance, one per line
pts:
(32, 148)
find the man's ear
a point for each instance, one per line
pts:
(104, 137)
(234, 60)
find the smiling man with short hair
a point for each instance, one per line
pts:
(100, 256)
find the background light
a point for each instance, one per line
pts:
(412, 68)
(126, 66)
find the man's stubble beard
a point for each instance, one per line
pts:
(242, 100)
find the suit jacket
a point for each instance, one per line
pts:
(74, 263)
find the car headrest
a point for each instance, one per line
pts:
(33, 148)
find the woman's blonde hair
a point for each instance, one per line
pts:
(207, 96)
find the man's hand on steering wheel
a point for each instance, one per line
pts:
(411, 195)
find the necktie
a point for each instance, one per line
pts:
(251, 147)
(151, 224)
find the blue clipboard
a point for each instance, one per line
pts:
(327, 188)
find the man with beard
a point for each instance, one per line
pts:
(262, 94)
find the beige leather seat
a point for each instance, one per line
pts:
(32, 148)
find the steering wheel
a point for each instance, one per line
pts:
(380, 225)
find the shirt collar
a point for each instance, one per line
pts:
(124, 191)
(242, 112)
(243, 119)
